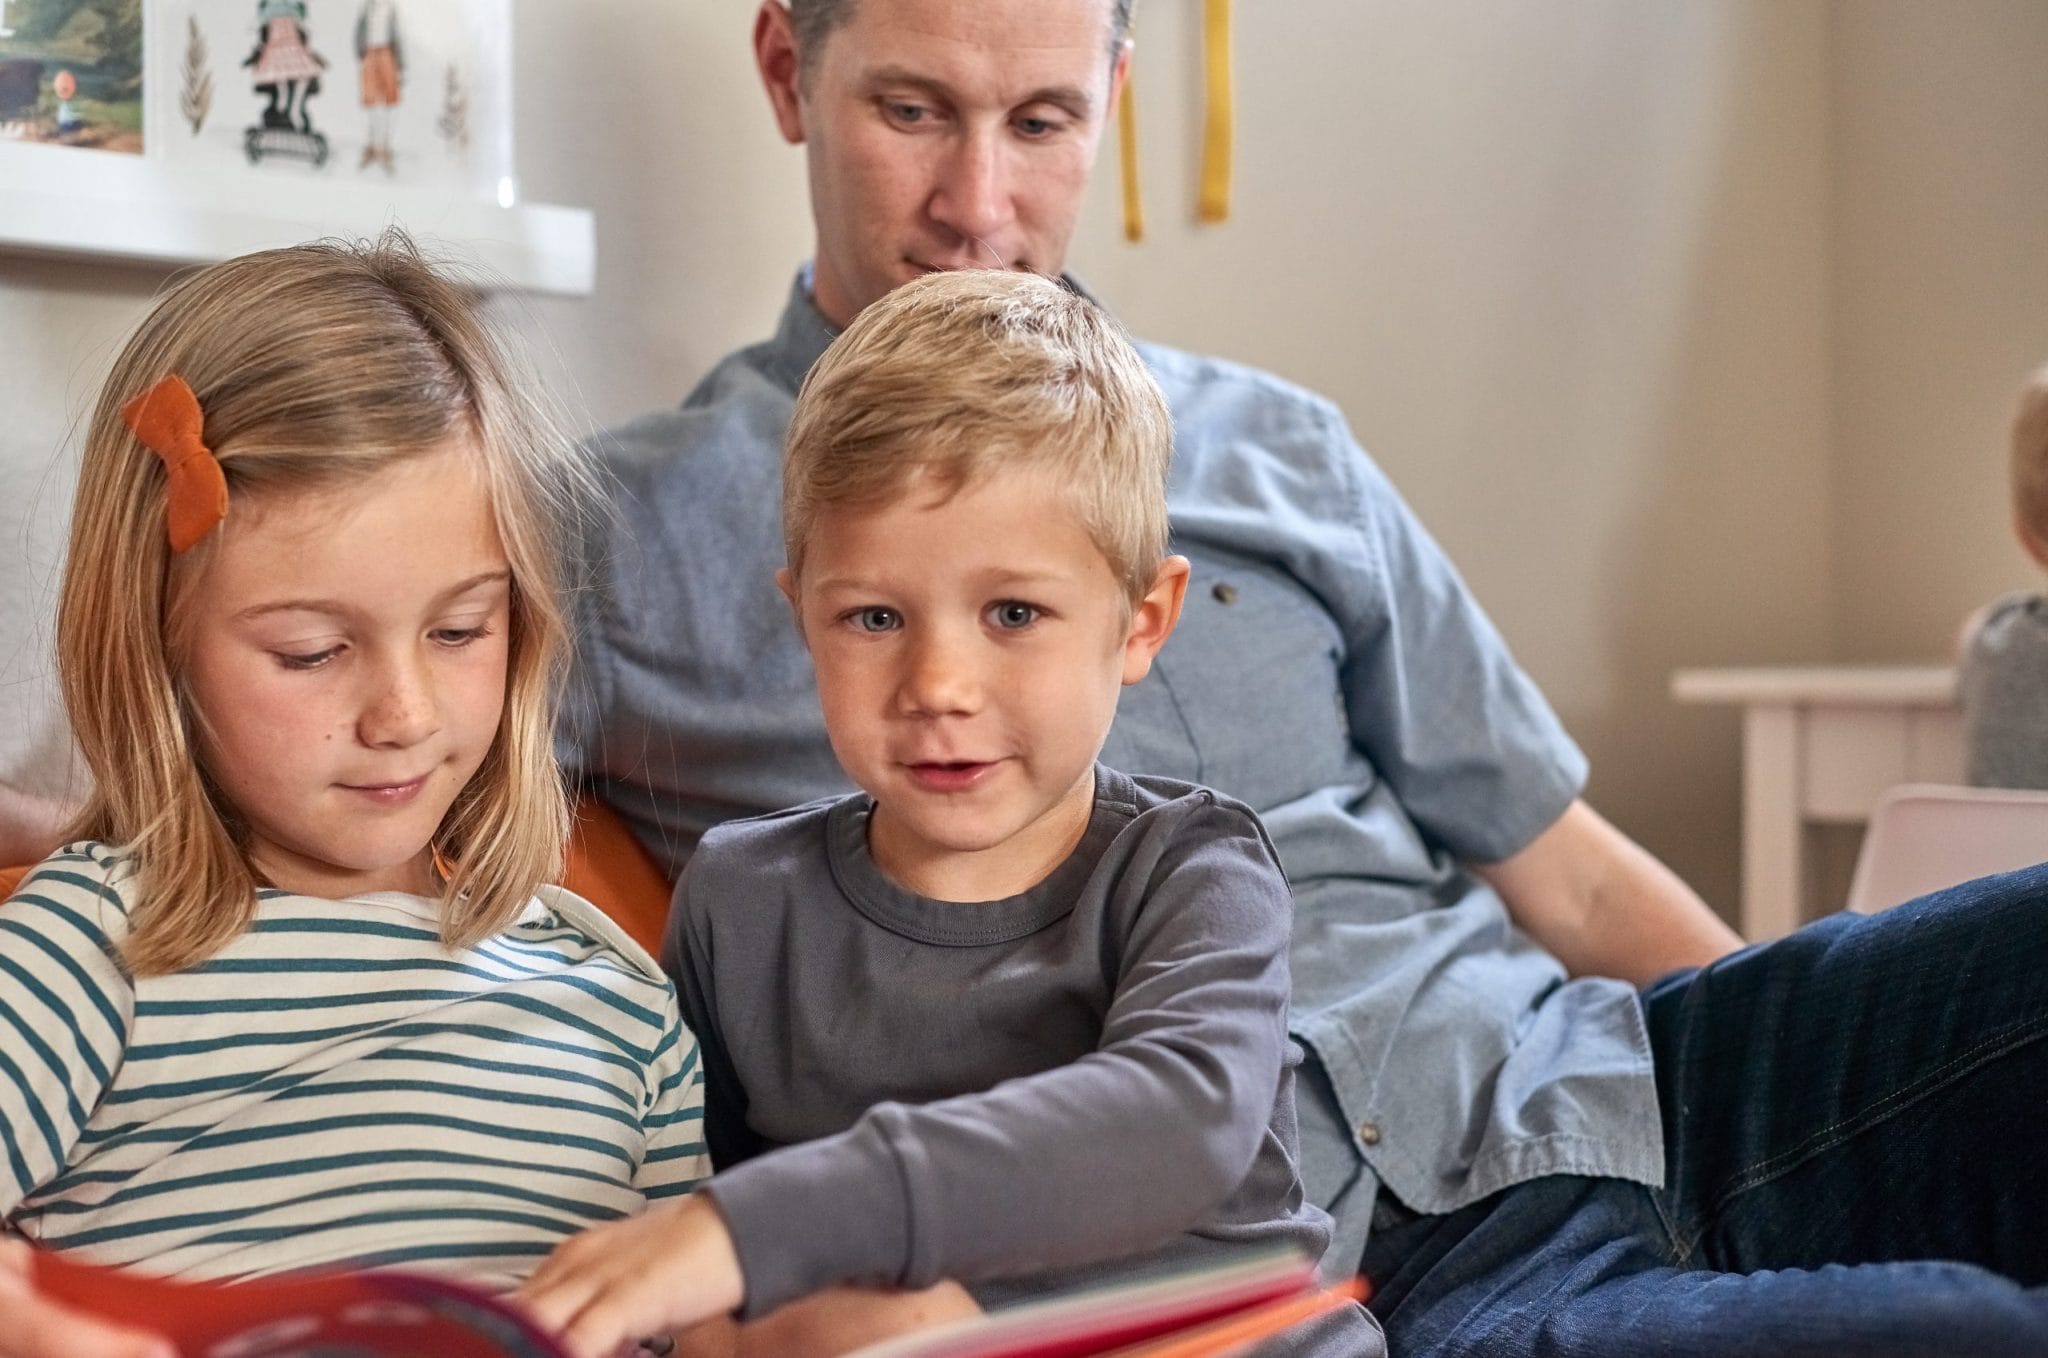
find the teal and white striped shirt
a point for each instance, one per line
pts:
(334, 1087)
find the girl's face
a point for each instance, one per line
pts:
(347, 670)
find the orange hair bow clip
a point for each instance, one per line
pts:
(169, 422)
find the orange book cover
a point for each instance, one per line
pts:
(338, 1315)
(1199, 1312)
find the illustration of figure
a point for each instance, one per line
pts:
(383, 63)
(287, 71)
(65, 86)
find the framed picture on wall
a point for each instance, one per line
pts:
(71, 73)
(250, 123)
(390, 92)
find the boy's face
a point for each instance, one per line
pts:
(969, 653)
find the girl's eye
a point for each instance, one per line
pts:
(877, 620)
(1012, 614)
(311, 660)
(456, 637)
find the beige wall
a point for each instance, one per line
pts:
(1941, 306)
(1624, 296)
(1565, 268)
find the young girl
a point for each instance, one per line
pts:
(297, 995)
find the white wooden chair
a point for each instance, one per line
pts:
(1925, 836)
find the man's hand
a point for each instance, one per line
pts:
(664, 1270)
(33, 1326)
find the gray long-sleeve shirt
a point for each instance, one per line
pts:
(901, 1090)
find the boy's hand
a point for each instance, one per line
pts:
(666, 1269)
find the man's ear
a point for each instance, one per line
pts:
(1154, 617)
(1120, 70)
(781, 68)
(786, 582)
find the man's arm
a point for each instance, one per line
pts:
(1604, 905)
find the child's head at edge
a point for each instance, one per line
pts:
(2030, 468)
(315, 368)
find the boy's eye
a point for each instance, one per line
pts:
(876, 619)
(1012, 614)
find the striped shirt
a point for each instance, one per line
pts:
(335, 1086)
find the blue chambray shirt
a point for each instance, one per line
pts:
(1330, 669)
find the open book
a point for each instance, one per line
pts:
(1191, 1313)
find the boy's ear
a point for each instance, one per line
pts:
(1154, 617)
(2030, 540)
(786, 582)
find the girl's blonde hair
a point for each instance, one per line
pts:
(315, 366)
(955, 376)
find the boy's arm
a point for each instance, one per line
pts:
(686, 957)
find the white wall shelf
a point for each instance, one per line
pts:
(105, 205)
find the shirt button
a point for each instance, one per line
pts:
(1369, 1133)
(1224, 593)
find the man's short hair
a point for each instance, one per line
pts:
(2030, 456)
(814, 20)
(956, 376)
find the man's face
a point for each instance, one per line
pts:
(943, 135)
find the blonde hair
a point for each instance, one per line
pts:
(957, 375)
(2030, 456)
(315, 366)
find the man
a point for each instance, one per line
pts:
(1332, 669)
(1464, 1102)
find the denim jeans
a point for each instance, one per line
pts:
(1856, 1133)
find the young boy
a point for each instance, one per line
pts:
(2005, 644)
(1005, 1015)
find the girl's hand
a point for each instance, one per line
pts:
(33, 1326)
(664, 1270)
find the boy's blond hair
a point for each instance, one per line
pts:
(315, 367)
(2030, 462)
(954, 376)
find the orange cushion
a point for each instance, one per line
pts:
(10, 878)
(609, 868)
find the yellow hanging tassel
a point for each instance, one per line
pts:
(1127, 158)
(1214, 203)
